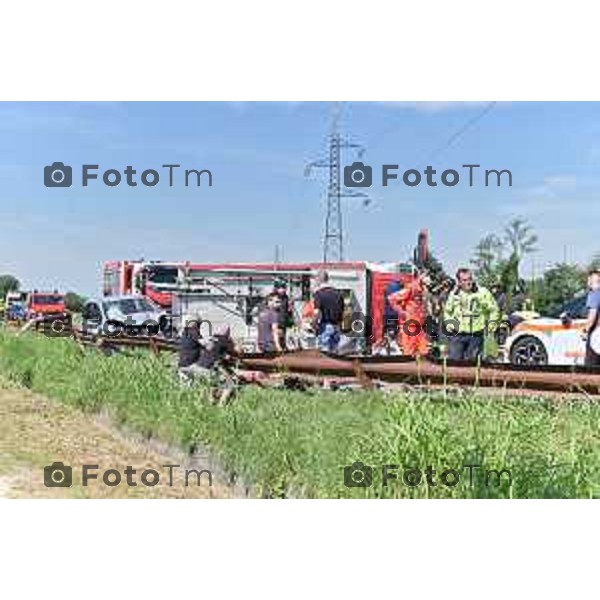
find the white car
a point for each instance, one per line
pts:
(115, 315)
(553, 340)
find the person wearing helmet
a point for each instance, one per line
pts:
(286, 317)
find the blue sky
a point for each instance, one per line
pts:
(261, 197)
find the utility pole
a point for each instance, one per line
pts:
(333, 239)
(333, 242)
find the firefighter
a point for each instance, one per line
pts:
(390, 334)
(470, 312)
(409, 304)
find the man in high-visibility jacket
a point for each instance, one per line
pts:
(470, 312)
(409, 304)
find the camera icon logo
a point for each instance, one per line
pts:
(55, 328)
(58, 475)
(358, 475)
(358, 175)
(359, 326)
(58, 175)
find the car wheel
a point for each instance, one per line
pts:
(151, 330)
(165, 325)
(528, 350)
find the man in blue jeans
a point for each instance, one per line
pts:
(329, 312)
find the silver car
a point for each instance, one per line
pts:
(124, 315)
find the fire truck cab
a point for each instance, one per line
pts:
(44, 305)
(153, 279)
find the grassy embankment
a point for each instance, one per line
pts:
(297, 444)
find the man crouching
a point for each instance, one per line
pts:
(208, 359)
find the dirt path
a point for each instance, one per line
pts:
(36, 431)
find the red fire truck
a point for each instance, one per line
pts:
(154, 279)
(44, 305)
(230, 293)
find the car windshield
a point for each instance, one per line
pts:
(575, 308)
(47, 299)
(129, 306)
(165, 275)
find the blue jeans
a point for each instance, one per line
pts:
(329, 337)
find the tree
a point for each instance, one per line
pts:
(520, 238)
(497, 260)
(74, 302)
(558, 285)
(487, 259)
(8, 283)
(490, 263)
(594, 264)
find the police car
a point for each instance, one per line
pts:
(553, 340)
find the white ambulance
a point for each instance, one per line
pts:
(553, 340)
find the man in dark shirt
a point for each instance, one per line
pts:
(216, 351)
(329, 312)
(198, 357)
(269, 328)
(189, 342)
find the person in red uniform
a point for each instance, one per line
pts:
(409, 304)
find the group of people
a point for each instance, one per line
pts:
(470, 312)
(461, 321)
(469, 307)
(201, 357)
(325, 311)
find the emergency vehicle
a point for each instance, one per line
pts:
(153, 279)
(232, 294)
(553, 340)
(45, 304)
(14, 306)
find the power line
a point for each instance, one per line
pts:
(462, 129)
(467, 125)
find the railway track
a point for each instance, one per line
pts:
(392, 369)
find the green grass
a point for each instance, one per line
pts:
(296, 444)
